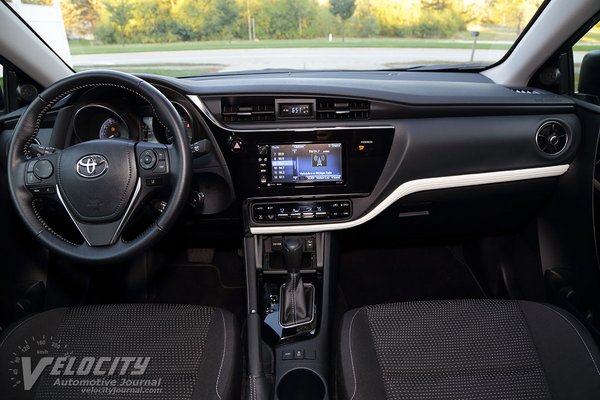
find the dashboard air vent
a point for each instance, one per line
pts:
(552, 137)
(248, 113)
(343, 109)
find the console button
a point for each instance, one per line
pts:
(298, 354)
(295, 215)
(283, 216)
(309, 244)
(308, 215)
(236, 145)
(277, 243)
(262, 150)
(287, 355)
(321, 214)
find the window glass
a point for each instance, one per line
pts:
(193, 37)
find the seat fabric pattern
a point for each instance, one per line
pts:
(192, 350)
(456, 349)
(466, 349)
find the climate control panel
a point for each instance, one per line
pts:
(302, 211)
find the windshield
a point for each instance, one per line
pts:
(195, 37)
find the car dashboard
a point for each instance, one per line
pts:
(321, 151)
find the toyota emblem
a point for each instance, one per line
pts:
(92, 166)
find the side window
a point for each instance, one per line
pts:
(586, 59)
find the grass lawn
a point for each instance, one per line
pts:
(85, 47)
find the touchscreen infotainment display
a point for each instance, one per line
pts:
(305, 163)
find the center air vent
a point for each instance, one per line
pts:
(552, 137)
(248, 113)
(343, 109)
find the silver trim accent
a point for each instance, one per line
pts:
(567, 134)
(202, 107)
(124, 219)
(314, 305)
(136, 192)
(421, 185)
(71, 215)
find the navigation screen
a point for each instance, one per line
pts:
(306, 163)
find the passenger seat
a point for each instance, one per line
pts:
(468, 350)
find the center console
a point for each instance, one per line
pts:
(289, 178)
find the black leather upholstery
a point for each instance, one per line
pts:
(466, 349)
(193, 351)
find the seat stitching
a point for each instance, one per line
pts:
(351, 355)
(15, 328)
(293, 291)
(223, 355)
(535, 346)
(578, 334)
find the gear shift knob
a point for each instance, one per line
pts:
(292, 254)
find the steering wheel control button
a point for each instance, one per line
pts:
(160, 153)
(148, 159)
(43, 169)
(161, 167)
(31, 179)
(153, 181)
(43, 190)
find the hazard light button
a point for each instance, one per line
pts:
(236, 145)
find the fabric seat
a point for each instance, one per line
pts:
(137, 351)
(466, 349)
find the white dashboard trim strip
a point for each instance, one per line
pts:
(421, 185)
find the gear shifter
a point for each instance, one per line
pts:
(294, 309)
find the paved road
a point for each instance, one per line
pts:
(320, 58)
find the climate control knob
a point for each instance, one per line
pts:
(262, 150)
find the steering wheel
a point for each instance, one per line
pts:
(100, 183)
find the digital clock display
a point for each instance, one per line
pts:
(295, 110)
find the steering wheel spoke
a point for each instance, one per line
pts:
(98, 234)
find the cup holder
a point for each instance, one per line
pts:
(301, 384)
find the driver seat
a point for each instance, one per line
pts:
(129, 351)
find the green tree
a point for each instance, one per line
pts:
(79, 16)
(120, 13)
(344, 9)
